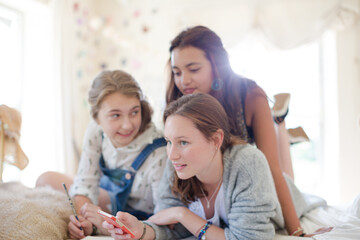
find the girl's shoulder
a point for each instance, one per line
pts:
(254, 92)
(148, 136)
(244, 83)
(256, 102)
(248, 87)
(248, 90)
(152, 132)
(93, 131)
(243, 156)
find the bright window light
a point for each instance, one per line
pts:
(10, 58)
(297, 72)
(27, 83)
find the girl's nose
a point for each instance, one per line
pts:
(185, 79)
(172, 153)
(126, 123)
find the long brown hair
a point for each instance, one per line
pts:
(208, 116)
(108, 82)
(234, 86)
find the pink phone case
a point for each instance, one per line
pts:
(114, 221)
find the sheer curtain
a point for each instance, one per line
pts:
(285, 24)
(64, 51)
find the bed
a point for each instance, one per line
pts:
(43, 213)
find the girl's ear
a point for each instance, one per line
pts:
(218, 138)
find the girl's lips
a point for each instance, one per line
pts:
(189, 90)
(179, 167)
(126, 135)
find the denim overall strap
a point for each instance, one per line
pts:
(140, 159)
(118, 182)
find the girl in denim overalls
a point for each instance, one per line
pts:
(120, 130)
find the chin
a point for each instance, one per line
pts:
(183, 176)
(125, 142)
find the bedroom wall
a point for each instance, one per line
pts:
(110, 35)
(348, 50)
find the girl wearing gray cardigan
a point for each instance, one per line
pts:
(214, 186)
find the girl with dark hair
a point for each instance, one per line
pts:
(199, 63)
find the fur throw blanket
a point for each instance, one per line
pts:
(32, 213)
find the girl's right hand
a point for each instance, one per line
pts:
(130, 222)
(74, 227)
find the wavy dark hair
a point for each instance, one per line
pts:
(234, 86)
(208, 116)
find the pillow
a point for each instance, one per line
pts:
(33, 213)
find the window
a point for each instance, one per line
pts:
(28, 83)
(10, 57)
(298, 72)
(11, 66)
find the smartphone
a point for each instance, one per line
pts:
(114, 221)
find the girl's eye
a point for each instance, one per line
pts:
(168, 142)
(183, 143)
(115, 115)
(194, 70)
(134, 113)
(177, 74)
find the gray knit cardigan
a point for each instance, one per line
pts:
(251, 203)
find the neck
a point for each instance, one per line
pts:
(211, 176)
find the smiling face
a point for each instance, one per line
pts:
(120, 118)
(189, 151)
(192, 70)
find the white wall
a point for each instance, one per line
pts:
(348, 51)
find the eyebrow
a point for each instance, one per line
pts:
(117, 110)
(192, 63)
(177, 137)
(187, 65)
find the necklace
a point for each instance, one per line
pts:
(209, 200)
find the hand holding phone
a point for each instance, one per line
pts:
(114, 221)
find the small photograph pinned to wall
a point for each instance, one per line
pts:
(135, 64)
(76, 7)
(145, 29)
(154, 11)
(137, 13)
(125, 23)
(103, 66)
(123, 62)
(79, 74)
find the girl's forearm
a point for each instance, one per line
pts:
(80, 200)
(150, 233)
(193, 223)
(292, 222)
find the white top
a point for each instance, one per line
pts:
(146, 179)
(197, 208)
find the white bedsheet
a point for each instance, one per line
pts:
(345, 220)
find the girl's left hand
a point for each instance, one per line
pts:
(89, 211)
(169, 216)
